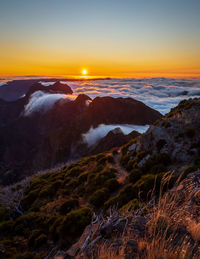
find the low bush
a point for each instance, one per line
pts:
(99, 197)
(160, 158)
(147, 184)
(29, 198)
(34, 234)
(135, 175)
(25, 255)
(83, 177)
(68, 205)
(106, 174)
(74, 171)
(127, 193)
(40, 240)
(75, 221)
(6, 227)
(4, 214)
(124, 159)
(142, 154)
(112, 184)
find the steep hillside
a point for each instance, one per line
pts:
(56, 206)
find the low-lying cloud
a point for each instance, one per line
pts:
(95, 134)
(42, 102)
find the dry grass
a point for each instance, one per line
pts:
(172, 229)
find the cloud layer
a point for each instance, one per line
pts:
(95, 134)
(161, 94)
(41, 101)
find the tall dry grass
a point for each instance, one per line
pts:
(172, 228)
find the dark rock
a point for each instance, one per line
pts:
(114, 138)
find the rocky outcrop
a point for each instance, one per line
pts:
(57, 87)
(110, 110)
(114, 138)
(176, 134)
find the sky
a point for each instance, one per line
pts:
(119, 38)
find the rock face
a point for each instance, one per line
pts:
(127, 110)
(44, 139)
(176, 134)
(57, 87)
(114, 138)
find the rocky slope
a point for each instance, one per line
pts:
(118, 192)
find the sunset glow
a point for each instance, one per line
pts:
(136, 39)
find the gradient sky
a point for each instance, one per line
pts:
(107, 37)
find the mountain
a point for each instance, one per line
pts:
(137, 201)
(45, 127)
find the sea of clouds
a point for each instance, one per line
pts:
(161, 94)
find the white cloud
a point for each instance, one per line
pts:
(161, 94)
(95, 134)
(42, 102)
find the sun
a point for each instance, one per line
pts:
(84, 72)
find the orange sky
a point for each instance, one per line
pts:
(108, 38)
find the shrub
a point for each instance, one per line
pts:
(110, 159)
(29, 221)
(126, 194)
(99, 197)
(133, 204)
(40, 240)
(115, 152)
(111, 202)
(50, 189)
(6, 227)
(26, 255)
(106, 174)
(145, 185)
(4, 215)
(157, 169)
(74, 171)
(75, 222)
(34, 234)
(135, 175)
(102, 160)
(38, 204)
(83, 177)
(112, 184)
(68, 205)
(29, 198)
(154, 160)
(124, 159)
(131, 164)
(71, 185)
(55, 226)
(142, 154)
(100, 156)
